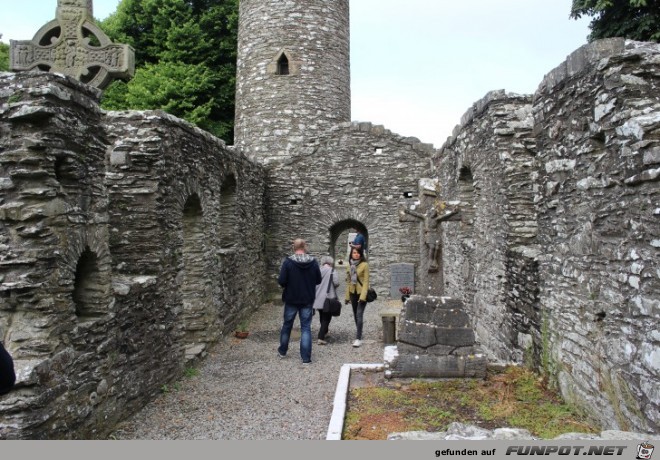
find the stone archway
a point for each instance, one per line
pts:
(339, 237)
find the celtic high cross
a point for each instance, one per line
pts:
(74, 45)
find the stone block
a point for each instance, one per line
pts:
(450, 318)
(430, 366)
(419, 334)
(475, 366)
(464, 351)
(457, 337)
(118, 158)
(448, 303)
(440, 350)
(419, 309)
(407, 348)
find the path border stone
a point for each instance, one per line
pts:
(336, 425)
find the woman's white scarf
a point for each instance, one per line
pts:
(354, 264)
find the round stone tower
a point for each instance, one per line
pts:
(293, 77)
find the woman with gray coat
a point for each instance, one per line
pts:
(327, 273)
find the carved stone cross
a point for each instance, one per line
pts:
(432, 214)
(73, 45)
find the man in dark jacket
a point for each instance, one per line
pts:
(7, 375)
(299, 275)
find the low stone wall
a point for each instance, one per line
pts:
(115, 269)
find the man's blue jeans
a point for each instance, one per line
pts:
(290, 312)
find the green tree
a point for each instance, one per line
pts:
(177, 88)
(4, 57)
(633, 19)
(185, 53)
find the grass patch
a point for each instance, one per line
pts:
(191, 372)
(515, 398)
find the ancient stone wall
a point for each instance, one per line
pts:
(130, 243)
(356, 174)
(598, 130)
(488, 166)
(557, 254)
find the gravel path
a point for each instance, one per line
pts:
(245, 391)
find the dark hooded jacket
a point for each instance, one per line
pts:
(7, 375)
(299, 275)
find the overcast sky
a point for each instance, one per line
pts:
(416, 65)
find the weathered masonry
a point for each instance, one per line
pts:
(120, 258)
(556, 258)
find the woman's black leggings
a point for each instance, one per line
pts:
(325, 319)
(358, 313)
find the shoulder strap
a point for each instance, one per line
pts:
(330, 281)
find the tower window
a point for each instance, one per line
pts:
(283, 65)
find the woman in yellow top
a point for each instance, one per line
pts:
(357, 282)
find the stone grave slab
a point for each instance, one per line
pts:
(401, 275)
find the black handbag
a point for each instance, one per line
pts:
(332, 306)
(371, 293)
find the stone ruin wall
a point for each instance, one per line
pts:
(119, 261)
(574, 290)
(599, 225)
(356, 173)
(487, 166)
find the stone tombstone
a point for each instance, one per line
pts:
(74, 45)
(401, 275)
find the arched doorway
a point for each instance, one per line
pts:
(341, 233)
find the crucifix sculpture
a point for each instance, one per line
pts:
(433, 212)
(74, 45)
(431, 220)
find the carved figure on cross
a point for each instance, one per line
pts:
(431, 220)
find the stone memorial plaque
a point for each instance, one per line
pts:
(401, 275)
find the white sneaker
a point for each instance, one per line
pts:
(357, 343)
(322, 342)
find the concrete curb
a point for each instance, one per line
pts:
(336, 425)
